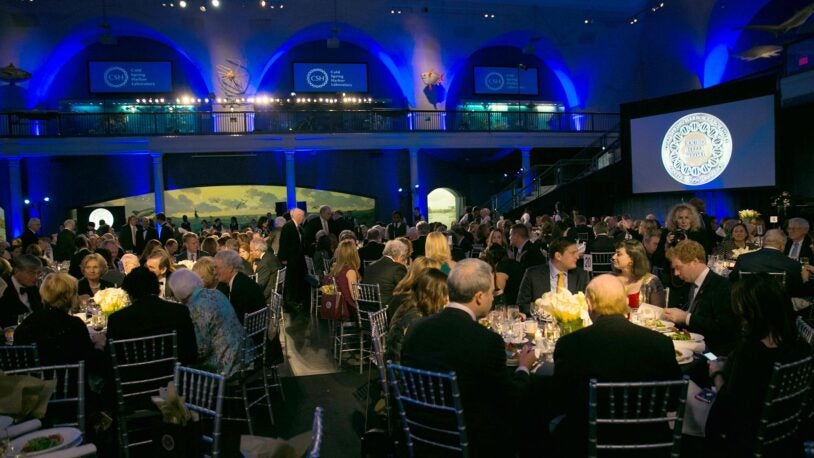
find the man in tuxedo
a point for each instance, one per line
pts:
(21, 295)
(245, 295)
(602, 242)
(708, 311)
(324, 221)
(799, 243)
(267, 266)
(581, 229)
(525, 252)
(611, 350)
(292, 257)
(30, 236)
(452, 340)
(160, 264)
(148, 233)
(462, 243)
(374, 247)
(560, 272)
(65, 247)
(166, 230)
(191, 249)
(396, 228)
(418, 244)
(130, 237)
(81, 250)
(149, 315)
(388, 271)
(770, 258)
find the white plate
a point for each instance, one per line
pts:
(69, 436)
(694, 337)
(5, 421)
(665, 325)
(519, 341)
(686, 356)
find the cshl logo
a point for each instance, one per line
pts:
(317, 78)
(494, 81)
(116, 77)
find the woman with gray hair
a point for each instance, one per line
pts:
(218, 333)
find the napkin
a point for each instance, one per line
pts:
(695, 413)
(73, 452)
(22, 428)
(269, 447)
(23, 396)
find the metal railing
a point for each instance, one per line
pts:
(56, 124)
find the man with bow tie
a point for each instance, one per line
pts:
(21, 296)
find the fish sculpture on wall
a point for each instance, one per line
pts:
(760, 52)
(799, 18)
(12, 74)
(433, 87)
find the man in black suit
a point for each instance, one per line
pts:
(65, 247)
(245, 295)
(30, 236)
(547, 277)
(397, 228)
(81, 244)
(374, 247)
(582, 231)
(191, 249)
(388, 271)
(148, 233)
(770, 258)
(21, 295)
(292, 256)
(462, 243)
(611, 350)
(322, 222)
(602, 242)
(130, 237)
(452, 340)
(423, 229)
(525, 252)
(149, 315)
(708, 311)
(267, 266)
(799, 243)
(167, 231)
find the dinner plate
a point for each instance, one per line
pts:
(519, 341)
(658, 325)
(5, 421)
(685, 356)
(694, 337)
(69, 437)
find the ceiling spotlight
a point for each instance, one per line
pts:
(46, 199)
(587, 21)
(203, 8)
(216, 3)
(26, 201)
(263, 3)
(182, 4)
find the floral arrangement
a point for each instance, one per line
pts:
(328, 290)
(748, 215)
(111, 300)
(570, 310)
(739, 251)
(186, 263)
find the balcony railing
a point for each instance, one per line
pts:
(55, 124)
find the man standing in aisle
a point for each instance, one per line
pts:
(292, 257)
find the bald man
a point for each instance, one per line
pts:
(612, 349)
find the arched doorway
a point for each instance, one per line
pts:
(444, 205)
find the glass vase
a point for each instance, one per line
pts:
(567, 327)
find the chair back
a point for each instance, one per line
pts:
(378, 335)
(477, 249)
(317, 432)
(430, 407)
(369, 297)
(326, 264)
(68, 399)
(280, 282)
(13, 357)
(309, 266)
(256, 325)
(275, 314)
(619, 412)
(780, 277)
(141, 366)
(786, 401)
(806, 331)
(598, 263)
(203, 393)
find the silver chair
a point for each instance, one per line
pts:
(13, 357)
(253, 377)
(806, 331)
(598, 263)
(430, 408)
(378, 336)
(786, 404)
(70, 389)
(203, 393)
(141, 366)
(315, 291)
(317, 433)
(633, 406)
(276, 327)
(477, 249)
(779, 276)
(368, 301)
(280, 281)
(326, 264)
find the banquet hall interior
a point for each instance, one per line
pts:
(206, 112)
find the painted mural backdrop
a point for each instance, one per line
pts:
(2, 225)
(245, 202)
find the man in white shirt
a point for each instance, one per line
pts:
(20, 296)
(799, 243)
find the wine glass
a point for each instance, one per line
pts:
(551, 331)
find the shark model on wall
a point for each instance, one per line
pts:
(760, 52)
(799, 18)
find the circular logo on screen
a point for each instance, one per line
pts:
(494, 81)
(696, 149)
(101, 214)
(116, 77)
(317, 78)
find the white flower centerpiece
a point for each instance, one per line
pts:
(111, 300)
(570, 310)
(186, 263)
(739, 251)
(748, 215)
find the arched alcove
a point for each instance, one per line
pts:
(444, 205)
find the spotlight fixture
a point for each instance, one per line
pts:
(215, 3)
(182, 4)
(203, 8)
(46, 199)
(27, 201)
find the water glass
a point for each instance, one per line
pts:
(803, 260)
(513, 312)
(551, 331)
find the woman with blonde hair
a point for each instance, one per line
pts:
(437, 249)
(205, 268)
(93, 268)
(404, 287)
(345, 271)
(427, 297)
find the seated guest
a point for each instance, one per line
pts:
(770, 258)
(631, 265)
(129, 262)
(496, 238)
(244, 294)
(60, 337)
(326, 244)
(150, 246)
(160, 263)
(171, 247)
(452, 340)
(93, 268)
(423, 230)
(245, 253)
(266, 266)
(205, 268)
(388, 271)
(149, 315)
(81, 250)
(190, 251)
(507, 274)
(404, 287)
(345, 272)
(210, 246)
(799, 243)
(526, 252)
(611, 350)
(683, 222)
(602, 242)
(770, 336)
(428, 297)
(219, 334)
(737, 240)
(708, 311)
(374, 247)
(437, 249)
(20, 296)
(560, 272)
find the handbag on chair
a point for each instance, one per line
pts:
(333, 306)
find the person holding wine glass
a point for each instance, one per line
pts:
(633, 268)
